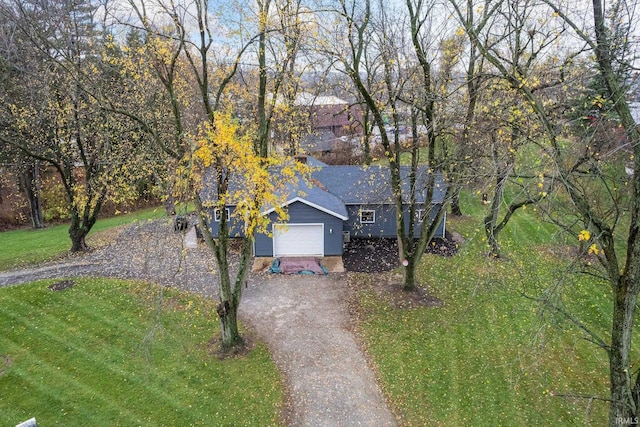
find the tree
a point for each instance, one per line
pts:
(369, 29)
(474, 79)
(610, 43)
(209, 153)
(517, 44)
(594, 183)
(60, 123)
(16, 60)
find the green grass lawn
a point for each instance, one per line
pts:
(28, 246)
(118, 353)
(405, 158)
(490, 356)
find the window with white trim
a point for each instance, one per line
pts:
(217, 216)
(420, 215)
(367, 216)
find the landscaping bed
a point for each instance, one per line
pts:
(373, 255)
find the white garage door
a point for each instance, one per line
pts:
(298, 240)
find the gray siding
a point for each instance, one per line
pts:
(300, 213)
(385, 221)
(434, 211)
(384, 226)
(236, 227)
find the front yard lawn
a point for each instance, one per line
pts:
(485, 353)
(119, 353)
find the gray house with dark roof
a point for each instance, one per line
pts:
(341, 203)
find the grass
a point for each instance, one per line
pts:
(118, 353)
(490, 355)
(27, 246)
(405, 158)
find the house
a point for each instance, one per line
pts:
(332, 122)
(341, 203)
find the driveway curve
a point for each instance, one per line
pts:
(303, 320)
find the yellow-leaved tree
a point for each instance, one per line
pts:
(225, 170)
(179, 92)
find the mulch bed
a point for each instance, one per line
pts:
(378, 255)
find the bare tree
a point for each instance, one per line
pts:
(371, 33)
(206, 148)
(593, 185)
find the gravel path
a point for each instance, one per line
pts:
(303, 320)
(149, 250)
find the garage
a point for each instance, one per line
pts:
(298, 240)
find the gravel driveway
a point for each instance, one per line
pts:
(303, 319)
(305, 323)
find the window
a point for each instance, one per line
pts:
(420, 215)
(367, 216)
(216, 214)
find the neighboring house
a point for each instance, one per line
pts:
(341, 202)
(332, 121)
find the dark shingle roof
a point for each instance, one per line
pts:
(371, 184)
(333, 187)
(314, 196)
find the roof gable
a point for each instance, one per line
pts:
(315, 197)
(341, 215)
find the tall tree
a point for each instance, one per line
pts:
(17, 59)
(60, 124)
(593, 183)
(398, 60)
(610, 40)
(216, 162)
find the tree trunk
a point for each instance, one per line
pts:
(229, 332)
(78, 236)
(230, 296)
(624, 405)
(490, 222)
(81, 225)
(491, 228)
(456, 210)
(366, 136)
(409, 284)
(169, 205)
(31, 183)
(228, 309)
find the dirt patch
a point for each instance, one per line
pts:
(5, 363)
(215, 349)
(62, 285)
(397, 297)
(380, 255)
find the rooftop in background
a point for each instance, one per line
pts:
(309, 99)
